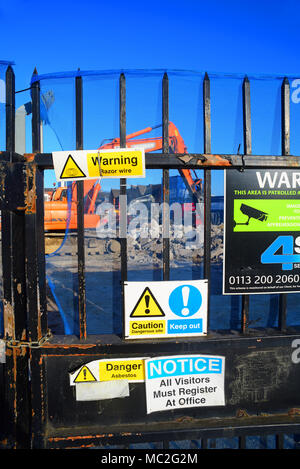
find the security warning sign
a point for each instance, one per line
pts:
(93, 164)
(165, 309)
(116, 369)
(261, 236)
(176, 382)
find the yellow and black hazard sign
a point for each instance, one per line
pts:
(94, 164)
(84, 376)
(116, 163)
(71, 169)
(147, 306)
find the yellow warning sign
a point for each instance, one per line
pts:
(147, 306)
(147, 327)
(71, 169)
(94, 164)
(116, 163)
(131, 370)
(84, 376)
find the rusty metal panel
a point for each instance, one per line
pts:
(12, 185)
(2, 406)
(262, 383)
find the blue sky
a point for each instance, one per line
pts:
(257, 37)
(227, 36)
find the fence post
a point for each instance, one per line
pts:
(123, 193)
(207, 187)
(166, 180)
(80, 215)
(123, 181)
(35, 243)
(247, 151)
(16, 411)
(285, 150)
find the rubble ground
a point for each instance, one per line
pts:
(186, 246)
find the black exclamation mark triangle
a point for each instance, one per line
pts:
(147, 300)
(152, 309)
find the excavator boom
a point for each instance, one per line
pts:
(61, 213)
(176, 145)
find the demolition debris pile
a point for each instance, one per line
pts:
(186, 246)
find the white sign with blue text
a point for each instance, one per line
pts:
(182, 381)
(165, 309)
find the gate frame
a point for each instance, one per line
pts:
(28, 343)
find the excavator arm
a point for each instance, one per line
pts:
(56, 210)
(176, 145)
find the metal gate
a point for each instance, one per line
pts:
(36, 397)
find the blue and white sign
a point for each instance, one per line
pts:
(182, 381)
(165, 309)
(185, 300)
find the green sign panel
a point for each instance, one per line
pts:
(252, 215)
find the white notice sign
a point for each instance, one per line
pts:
(165, 309)
(176, 382)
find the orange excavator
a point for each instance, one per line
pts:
(176, 145)
(61, 213)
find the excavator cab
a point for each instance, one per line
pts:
(176, 145)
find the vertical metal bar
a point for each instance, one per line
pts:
(80, 215)
(247, 151)
(31, 245)
(166, 179)
(247, 117)
(35, 263)
(17, 237)
(123, 181)
(36, 118)
(203, 443)
(123, 187)
(6, 219)
(15, 314)
(10, 109)
(285, 117)
(279, 441)
(285, 150)
(212, 443)
(242, 442)
(207, 186)
(34, 225)
(38, 399)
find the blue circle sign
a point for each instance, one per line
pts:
(185, 301)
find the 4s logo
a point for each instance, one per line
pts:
(287, 256)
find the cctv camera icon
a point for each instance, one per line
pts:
(251, 212)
